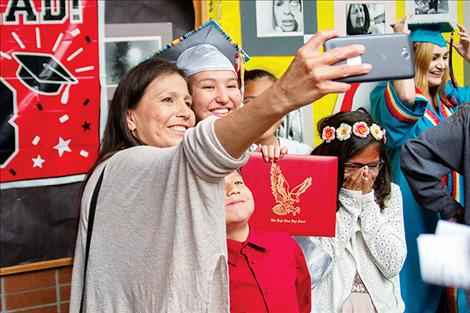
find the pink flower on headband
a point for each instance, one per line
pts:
(343, 132)
(385, 137)
(360, 129)
(328, 134)
(376, 132)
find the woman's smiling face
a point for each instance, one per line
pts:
(164, 113)
(438, 65)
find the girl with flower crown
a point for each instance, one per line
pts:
(360, 265)
(406, 108)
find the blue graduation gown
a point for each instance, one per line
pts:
(403, 122)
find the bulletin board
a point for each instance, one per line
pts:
(38, 220)
(53, 136)
(229, 15)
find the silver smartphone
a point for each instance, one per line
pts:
(391, 56)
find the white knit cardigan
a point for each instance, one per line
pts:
(369, 241)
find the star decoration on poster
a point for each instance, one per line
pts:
(37, 161)
(86, 126)
(63, 146)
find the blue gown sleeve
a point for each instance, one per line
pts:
(399, 119)
(458, 95)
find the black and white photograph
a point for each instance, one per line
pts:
(123, 53)
(281, 25)
(441, 13)
(365, 18)
(279, 18)
(431, 7)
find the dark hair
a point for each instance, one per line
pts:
(346, 149)
(351, 30)
(129, 91)
(257, 74)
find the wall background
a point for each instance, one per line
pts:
(227, 13)
(48, 290)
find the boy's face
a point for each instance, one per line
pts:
(239, 204)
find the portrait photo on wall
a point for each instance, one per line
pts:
(280, 25)
(279, 18)
(431, 6)
(364, 17)
(442, 13)
(123, 53)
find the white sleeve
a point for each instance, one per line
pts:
(206, 155)
(383, 232)
(346, 219)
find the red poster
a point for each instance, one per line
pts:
(296, 195)
(50, 91)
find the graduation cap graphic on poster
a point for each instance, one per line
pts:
(43, 73)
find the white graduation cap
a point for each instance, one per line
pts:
(204, 49)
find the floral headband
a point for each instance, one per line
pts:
(359, 129)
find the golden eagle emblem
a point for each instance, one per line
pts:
(286, 199)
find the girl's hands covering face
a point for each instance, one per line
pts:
(360, 180)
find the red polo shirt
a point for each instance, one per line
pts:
(268, 273)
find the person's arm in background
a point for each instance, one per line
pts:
(397, 105)
(404, 88)
(309, 77)
(433, 154)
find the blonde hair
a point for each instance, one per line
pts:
(423, 57)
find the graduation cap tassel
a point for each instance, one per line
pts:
(241, 68)
(65, 96)
(451, 69)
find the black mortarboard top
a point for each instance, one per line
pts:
(42, 72)
(441, 26)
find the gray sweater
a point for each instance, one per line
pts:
(159, 241)
(434, 154)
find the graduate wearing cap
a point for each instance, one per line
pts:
(214, 64)
(157, 241)
(406, 108)
(212, 61)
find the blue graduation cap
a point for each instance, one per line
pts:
(428, 35)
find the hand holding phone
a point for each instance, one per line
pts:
(391, 56)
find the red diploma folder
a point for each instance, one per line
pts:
(296, 195)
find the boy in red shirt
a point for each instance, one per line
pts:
(267, 270)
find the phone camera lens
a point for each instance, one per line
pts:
(405, 55)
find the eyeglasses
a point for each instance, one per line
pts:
(374, 167)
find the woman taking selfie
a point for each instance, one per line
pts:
(158, 240)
